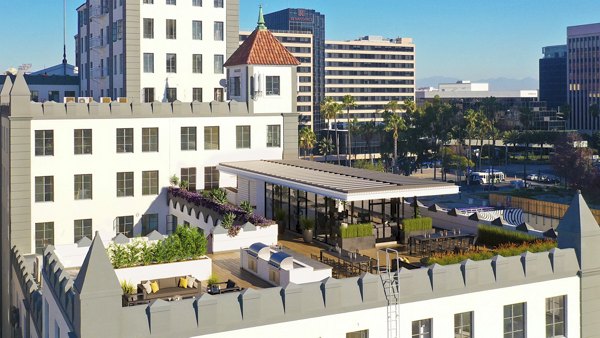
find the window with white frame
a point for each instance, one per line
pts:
(197, 30)
(82, 139)
(82, 228)
(555, 316)
(44, 236)
(273, 136)
(197, 3)
(196, 63)
(125, 184)
(82, 187)
(44, 188)
(188, 138)
(272, 83)
(242, 137)
(124, 140)
(150, 182)
(171, 2)
(358, 334)
(148, 62)
(148, 95)
(171, 26)
(44, 142)
(149, 223)
(218, 66)
(197, 94)
(171, 63)
(211, 178)
(514, 320)
(235, 86)
(218, 3)
(189, 176)
(149, 140)
(171, 94)
(124, 225)
(421, 328)
(463, 325)
(148, 25)
(211, 138)
(219, 34)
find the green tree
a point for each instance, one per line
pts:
(573, 162)
(330, 110)
(353, 128)
(368, 131)
(394, 123)
(348, 103)
(307, 139)
(326, 147)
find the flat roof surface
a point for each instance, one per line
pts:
(344, 183)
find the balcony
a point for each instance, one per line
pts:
(97, 42)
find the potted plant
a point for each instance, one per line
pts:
(213, 284)
(129, 294)
(308, 224)
(280, 217)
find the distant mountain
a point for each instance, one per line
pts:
(499, 83)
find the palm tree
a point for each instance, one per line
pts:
(347, 103)
(472, 118)
(354, 128)
(394, 123)
(307, 139)
(409, 106)
(368, 130)
(330, 110)
(326, 147)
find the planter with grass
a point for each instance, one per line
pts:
(308, 224)
(356, 237)
(415, 227)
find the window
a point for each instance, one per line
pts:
(555, 316)
(149, 223)
(197, 94)
(83, 141)
(211, 138)
(197, 30)
(44, 142)
(358, 334)
(44, 236)
(514, 320)
(124, 184)
(171, 94)
(211, 178)
(421, 328)
(197, 3)
(218, 94)
(218, 30)
(235, 86)
(121, 65)
(189, 175)
(44, 188)
(35, 96)
(54, 95)
(148, 28)
(171, 63)
(196, 63)
(171, 29)
(119, 29)
(150, 182)
(124, 140)
(145, 1)
(218, 64)
(188, 138)
(171, 2)
(218, 3)
(124, 225)
(272, 85)
(242, 137)
(70, 93)
(463, 325)
(149, 139)
(148, 62)
(148, 95)
(82, 228)
(273, 136)
(82, 189)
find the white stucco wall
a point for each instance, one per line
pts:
(275, 103)
(201, 269)
(105, 162)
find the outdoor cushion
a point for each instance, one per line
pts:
(171, 282)
(147, 287)
(154, 286)
(191, 281)
(183, 282)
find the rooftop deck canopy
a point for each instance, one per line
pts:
(342, 183)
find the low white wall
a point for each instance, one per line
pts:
(267, 235)
(306, 275)
(200, 269)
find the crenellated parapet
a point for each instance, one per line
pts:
(32, 296)
(472, 276)
(60, 283)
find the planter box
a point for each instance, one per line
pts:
(405, 236)
(200, 269)
(356, 243)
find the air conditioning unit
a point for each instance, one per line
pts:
(68, 99)
(84, 99)
(122, 99)
(105, 99)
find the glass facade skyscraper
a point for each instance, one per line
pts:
(306, 20)
(553, 76)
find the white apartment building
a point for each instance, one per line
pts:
(155, 50)
(300, 44)
(372, 69)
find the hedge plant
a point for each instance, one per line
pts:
(357, 230)
(493, 236)
(417, 224)
(185, 244)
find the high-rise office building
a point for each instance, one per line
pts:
(553, 76)
(300, 44)
(150, 50)
(306, 20)
(372, 69)
(583, 67)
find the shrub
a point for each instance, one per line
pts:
(245, 205)
(357, 230)
(185, 244)
(307, 223)
(212, 280)
(127, 288)
(505, 250)
(174, 180)
(219, 195)
(493, 236)
(416, 224)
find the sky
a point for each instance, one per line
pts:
(466, 39)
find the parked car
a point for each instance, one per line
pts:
(532, 177)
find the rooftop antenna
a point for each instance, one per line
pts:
(64, 61)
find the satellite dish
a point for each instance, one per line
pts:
(223, 83)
